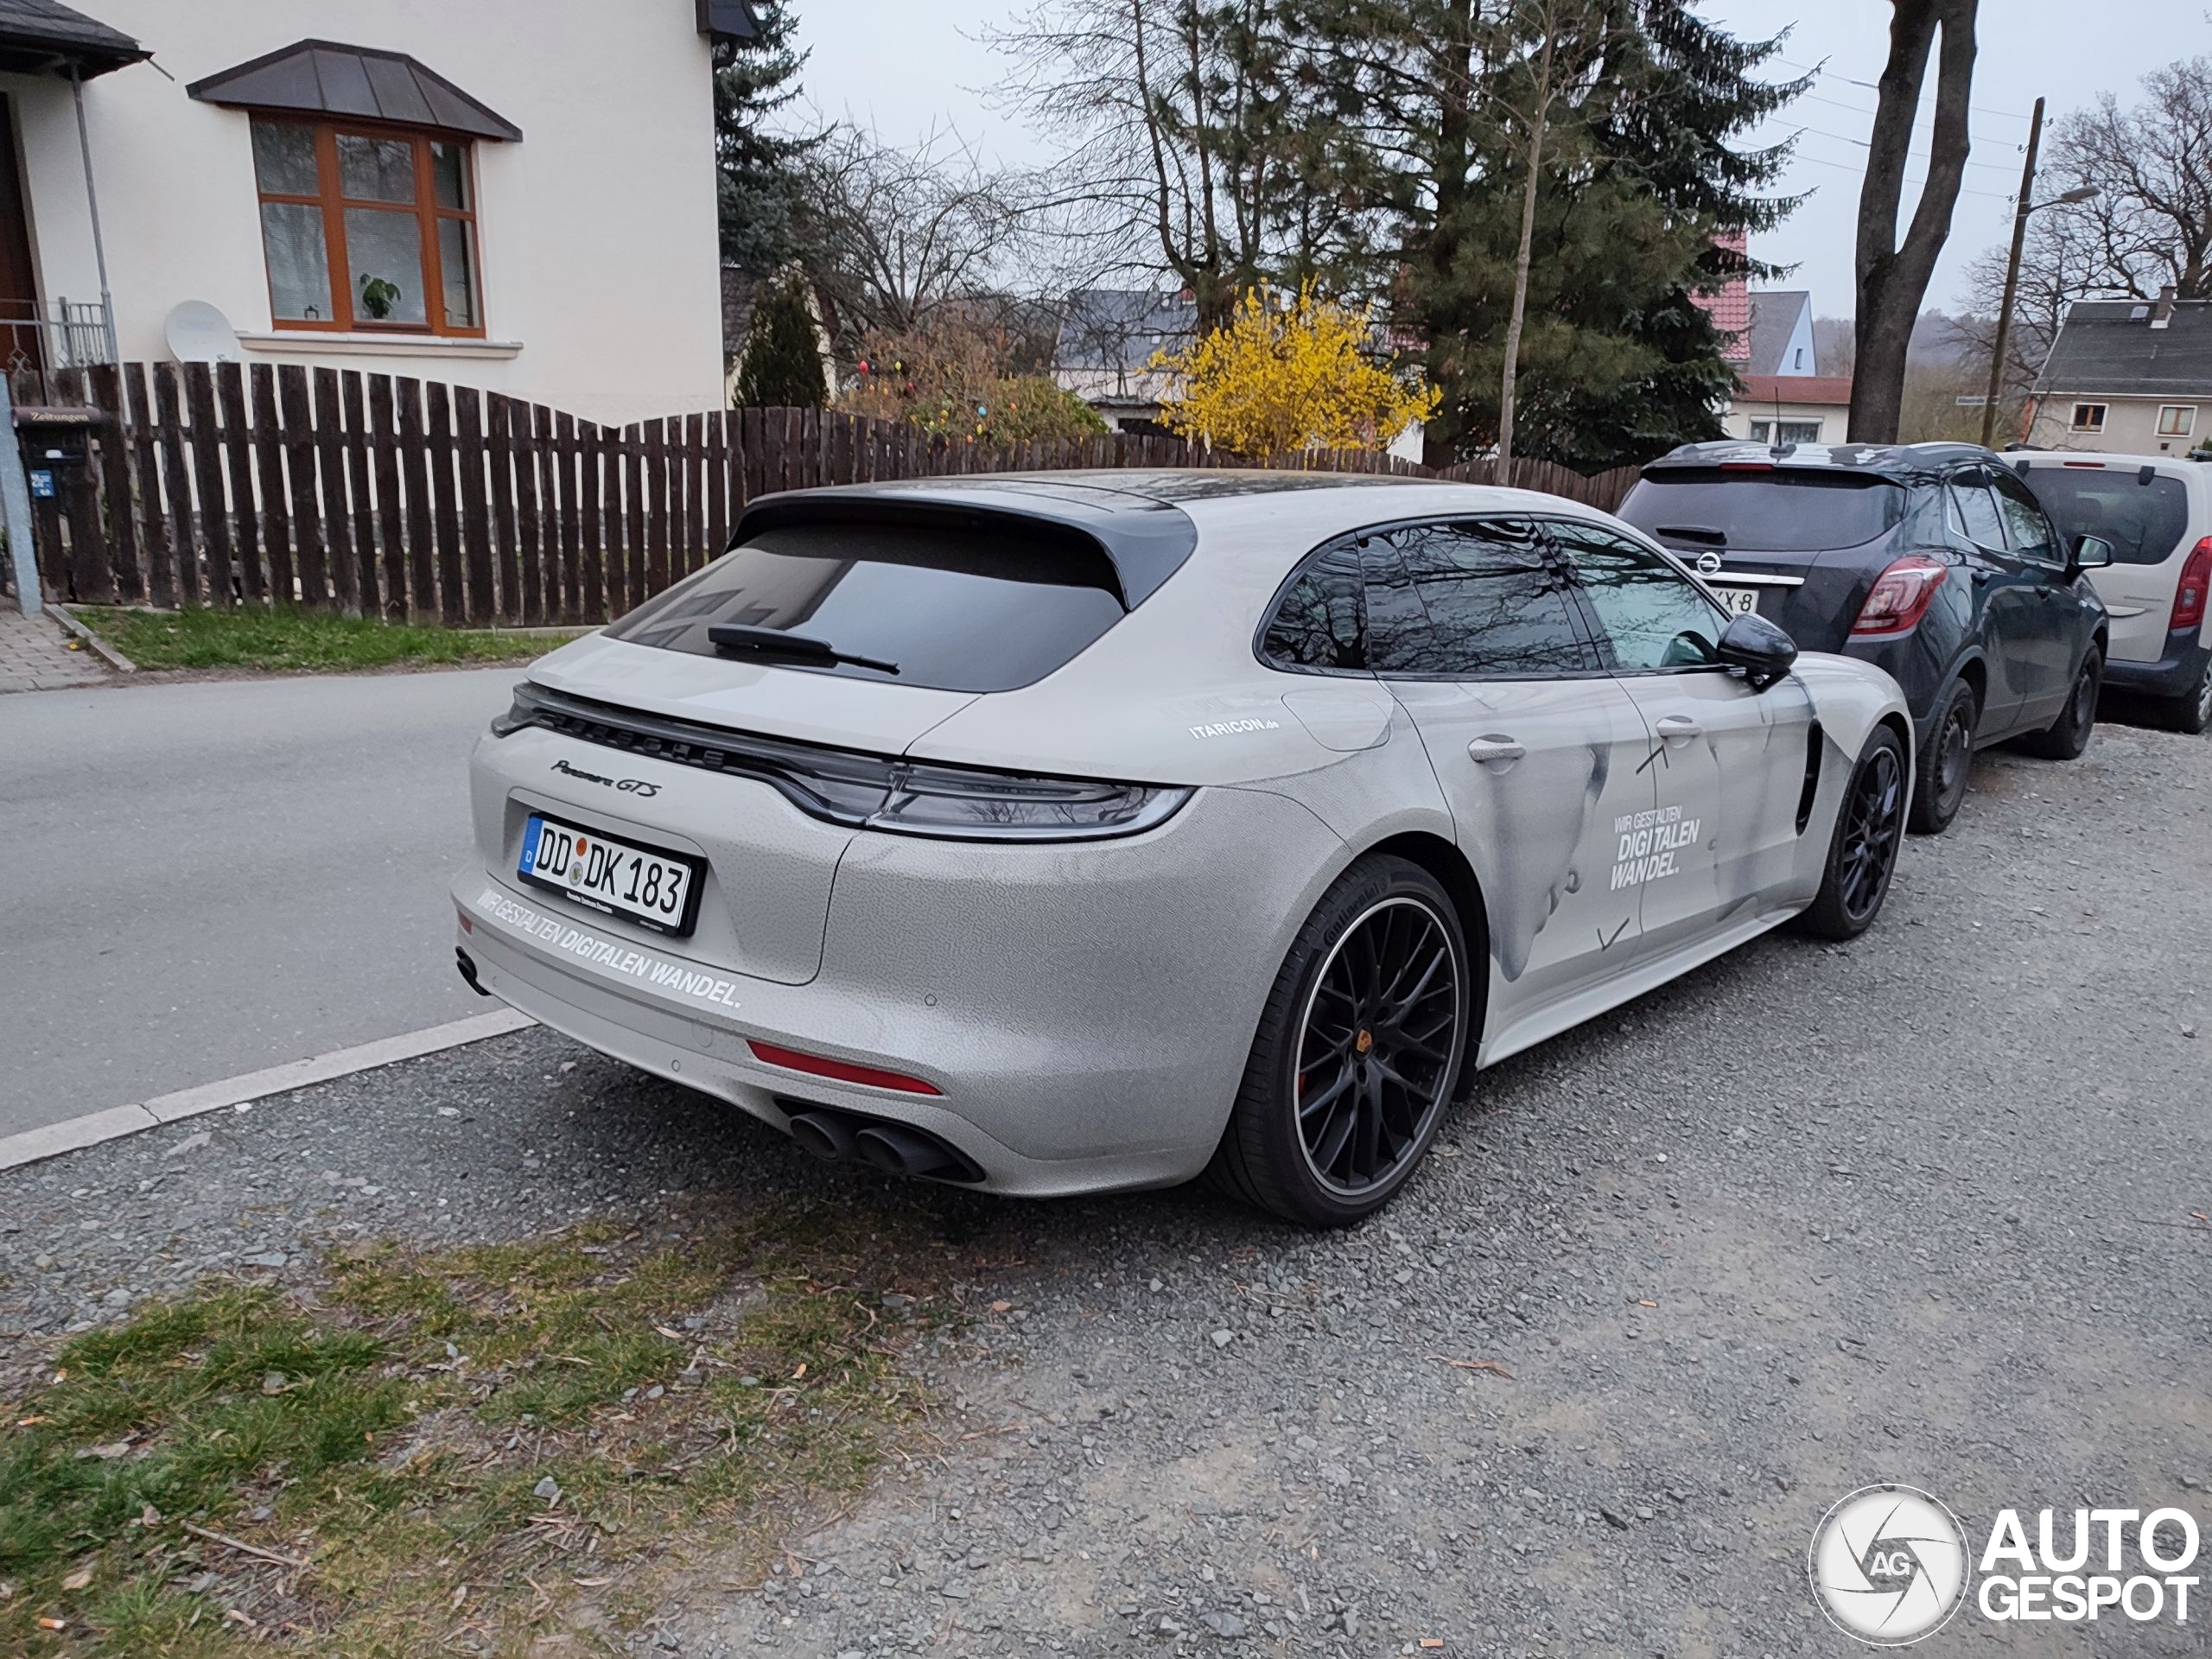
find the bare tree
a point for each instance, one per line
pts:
(2151, 220)
(1893, 276)
(1176, 123)
(2062, 261)
(899, 232)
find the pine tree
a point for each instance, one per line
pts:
(782, 365)
(1642, 165)
(757, 185)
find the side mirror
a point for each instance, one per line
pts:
(2091, 553)
(1763, 651)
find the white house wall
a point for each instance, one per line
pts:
(2130, 425)
(600, 254)
(1834, 418)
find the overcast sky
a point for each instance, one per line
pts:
(901, 68)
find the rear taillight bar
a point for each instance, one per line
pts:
(1901, 596)
(2190, 592)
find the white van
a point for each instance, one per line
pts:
(2157, 512)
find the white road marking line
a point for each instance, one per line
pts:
(53, 1138)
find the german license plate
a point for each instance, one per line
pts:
(1739, 602)
(655, 890)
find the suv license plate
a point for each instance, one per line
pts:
(1739, 602)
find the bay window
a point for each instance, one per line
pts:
(368, 228)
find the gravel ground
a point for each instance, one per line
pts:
(1917, 1208)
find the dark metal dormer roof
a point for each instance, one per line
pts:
(44, 36)
(2141, 348)
(324, 78)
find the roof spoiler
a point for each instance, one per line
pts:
(1141, 543)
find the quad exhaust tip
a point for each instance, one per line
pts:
(824, 1135)
(894, 1148)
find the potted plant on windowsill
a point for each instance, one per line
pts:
(378, 296)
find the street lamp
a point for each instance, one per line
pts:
(2012, 266)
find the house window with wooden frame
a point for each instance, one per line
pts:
(2176, 420)
(368, 228)
(2088, 417)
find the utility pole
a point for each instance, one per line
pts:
(2020, 211)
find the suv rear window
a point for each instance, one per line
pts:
(975, 608)
(1761, 510)
(2144, 523)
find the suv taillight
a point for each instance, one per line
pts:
(2195, 578)
(1901, 596)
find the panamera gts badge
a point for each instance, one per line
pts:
(627, 785)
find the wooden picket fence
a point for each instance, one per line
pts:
(371, 494)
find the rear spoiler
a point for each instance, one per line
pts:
(2144, 475)
(1139, 543)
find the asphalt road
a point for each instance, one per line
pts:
(1922, 1207)
(204, 878)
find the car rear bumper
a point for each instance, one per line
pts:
(2173, 674)
(1085, 1010)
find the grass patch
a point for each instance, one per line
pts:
(363, 1470)
(285, 638)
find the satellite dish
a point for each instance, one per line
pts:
(198, 332)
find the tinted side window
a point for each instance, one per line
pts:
(1653, 616)
(1320, 622)
(2024, 521)
(1473, 599)
(1974, 513)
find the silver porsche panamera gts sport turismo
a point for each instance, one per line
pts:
(1068, 832)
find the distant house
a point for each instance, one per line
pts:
(2127, 376)
(518, 199)
(1790, 409)
(1783, 397)
(1108, 338)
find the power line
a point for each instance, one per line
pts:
(1848, 167)
(2013, 144)
(1824, 71)
(1917, 154)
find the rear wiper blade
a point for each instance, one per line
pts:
(1693, 533)
(797, 647)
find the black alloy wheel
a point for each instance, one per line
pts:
(1873, 823)
(1870, 826)
(1358, 1052)
(1375, 1045)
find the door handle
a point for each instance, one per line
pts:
(1495, 751)
(1678, 729)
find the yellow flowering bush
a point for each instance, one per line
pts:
(1281, 379)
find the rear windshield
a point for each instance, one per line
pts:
(1764, 511)
(975, 608)
(2144, 523)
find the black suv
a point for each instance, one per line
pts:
(1931, 560)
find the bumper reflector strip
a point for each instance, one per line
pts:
(841, 1071)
